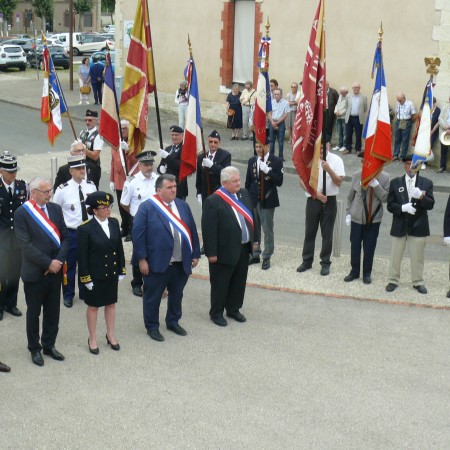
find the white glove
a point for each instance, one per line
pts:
(447, 240)
(374, 183)
(348, 219)
(89, 285)
(162, 169)
(124, 146)
(264, 167)
(121, 277)
(112, 186)
(207, 162)
(416, 192)
(163, 154)
(409, 208)
(199, 199)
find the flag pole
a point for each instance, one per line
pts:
(324, 127)
(267, 26)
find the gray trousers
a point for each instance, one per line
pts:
(264, 219)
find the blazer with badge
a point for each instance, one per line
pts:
(153, 233)
(38, 250)
(272, 180)
(407, 224)
(222, 234)
(172, 163)
(222, 159)
(7, 208)
(100, 257)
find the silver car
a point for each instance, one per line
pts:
(12, 56)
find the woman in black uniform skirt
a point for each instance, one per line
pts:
(101, 265)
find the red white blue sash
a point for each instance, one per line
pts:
(43, 221)
(237, 205)
(176, 222)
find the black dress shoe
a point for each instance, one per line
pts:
(202, 250)
(350, 277)
(177, 329)
(325, 270)
(115, 347)
(14, 311)
(4, 368)
(68, 303)
(237, 316)
(219, 321)
(391, 287)
(1, 314)
(448, 294)
(123, 233)
(155, 335)
(128, 238)
(303, 267)
(53, 353)
(137, 291)
(37, 358)
(254, 260)
(265, 264)
(421, 289)
(367, 280)
(94, 351)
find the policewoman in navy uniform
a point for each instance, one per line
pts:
(101, 265)
(13, 193)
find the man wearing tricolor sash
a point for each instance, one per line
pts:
(228, 235)
(167, 247)
(43, 238)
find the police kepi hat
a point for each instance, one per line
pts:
(90, 113)
(176, 129)
(8, 162)
(99, 198)
(76, 161)
(147, 156)
(214, 134)
(407, 158)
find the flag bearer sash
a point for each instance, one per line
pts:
(236, 204)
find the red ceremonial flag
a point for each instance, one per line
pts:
(307, 131)
(139, 79)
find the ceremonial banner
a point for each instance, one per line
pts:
(139, 79)
(192, 143)
(377, 130)
(307, 130)
(109, 117)
(263, 103)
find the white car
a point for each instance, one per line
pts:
(12, 56)
(109, 28)
(91, 43)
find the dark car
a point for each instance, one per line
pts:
(101, 56)
(57, 53)
(26, 44)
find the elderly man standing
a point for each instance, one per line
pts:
(356, 108)
(277, 125)
(248, 98)
(92, 140)
(405, 115)
(444, 124)
(13, 194)
(43, 239)
(182, 100)
(339, 111)
(409, 200)
(329, 116)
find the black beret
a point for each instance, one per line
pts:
(176, 129)
(99, 198)
(90, 113)
(214, 134)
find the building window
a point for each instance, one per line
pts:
(88, 20)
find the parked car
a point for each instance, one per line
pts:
(101, 56)
(26, 44)
(109, 28)
(110, 36)
(57, 53)
(12, 56)
(91, 43)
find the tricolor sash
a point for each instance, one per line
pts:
(176, 222)
(236, 204)
(43, 221)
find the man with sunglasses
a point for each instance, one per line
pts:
(92, 140)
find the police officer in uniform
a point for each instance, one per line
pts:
(71, 196)
(135, 191)
(13, 193)
(170, 160)
(92, 140)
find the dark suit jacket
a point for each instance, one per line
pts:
(269, 186)
(222, 159)
(96, 73)
(153, 238)
(403, 223)
(447, 219)
(63, 175)
(100, 258)
(172, 162)
(332, 99)
(38, 250)
(222, 234)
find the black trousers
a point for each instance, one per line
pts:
(323, 214)
(125, 216)
(365, 237)
(11, 262)
(228, 284)
(353, 124)
(45, 296)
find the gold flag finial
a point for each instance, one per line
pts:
(380, 32)
(432, 64)
(267, 27)
(189, 46)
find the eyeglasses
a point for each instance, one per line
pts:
(213, 142)
(48, 191)
(89, 120)
(105, 207)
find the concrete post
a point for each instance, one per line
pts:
(54, 166)
(337, 231)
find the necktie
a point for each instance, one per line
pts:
(84, 215)
(176, 243)
(244, 230)
(10, 192)
(44, 210)
(410, 186)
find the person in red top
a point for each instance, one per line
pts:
(117, 177)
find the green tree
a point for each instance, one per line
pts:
(81, 7)
(7, 7)
(109, 6)
(44, 9)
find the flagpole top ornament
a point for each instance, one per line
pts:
(432, 64)
(267, 27)
(189, 46)
(380, 32)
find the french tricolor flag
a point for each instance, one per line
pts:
(192, 143)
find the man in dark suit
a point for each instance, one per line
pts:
(96, 75)
(409, 200)
(329, 117)
(447, 231)
(209, 167)
(228, 236)
(43, 239)
(168, 250)
(264, 174)
(13, 193)
(170, 160)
